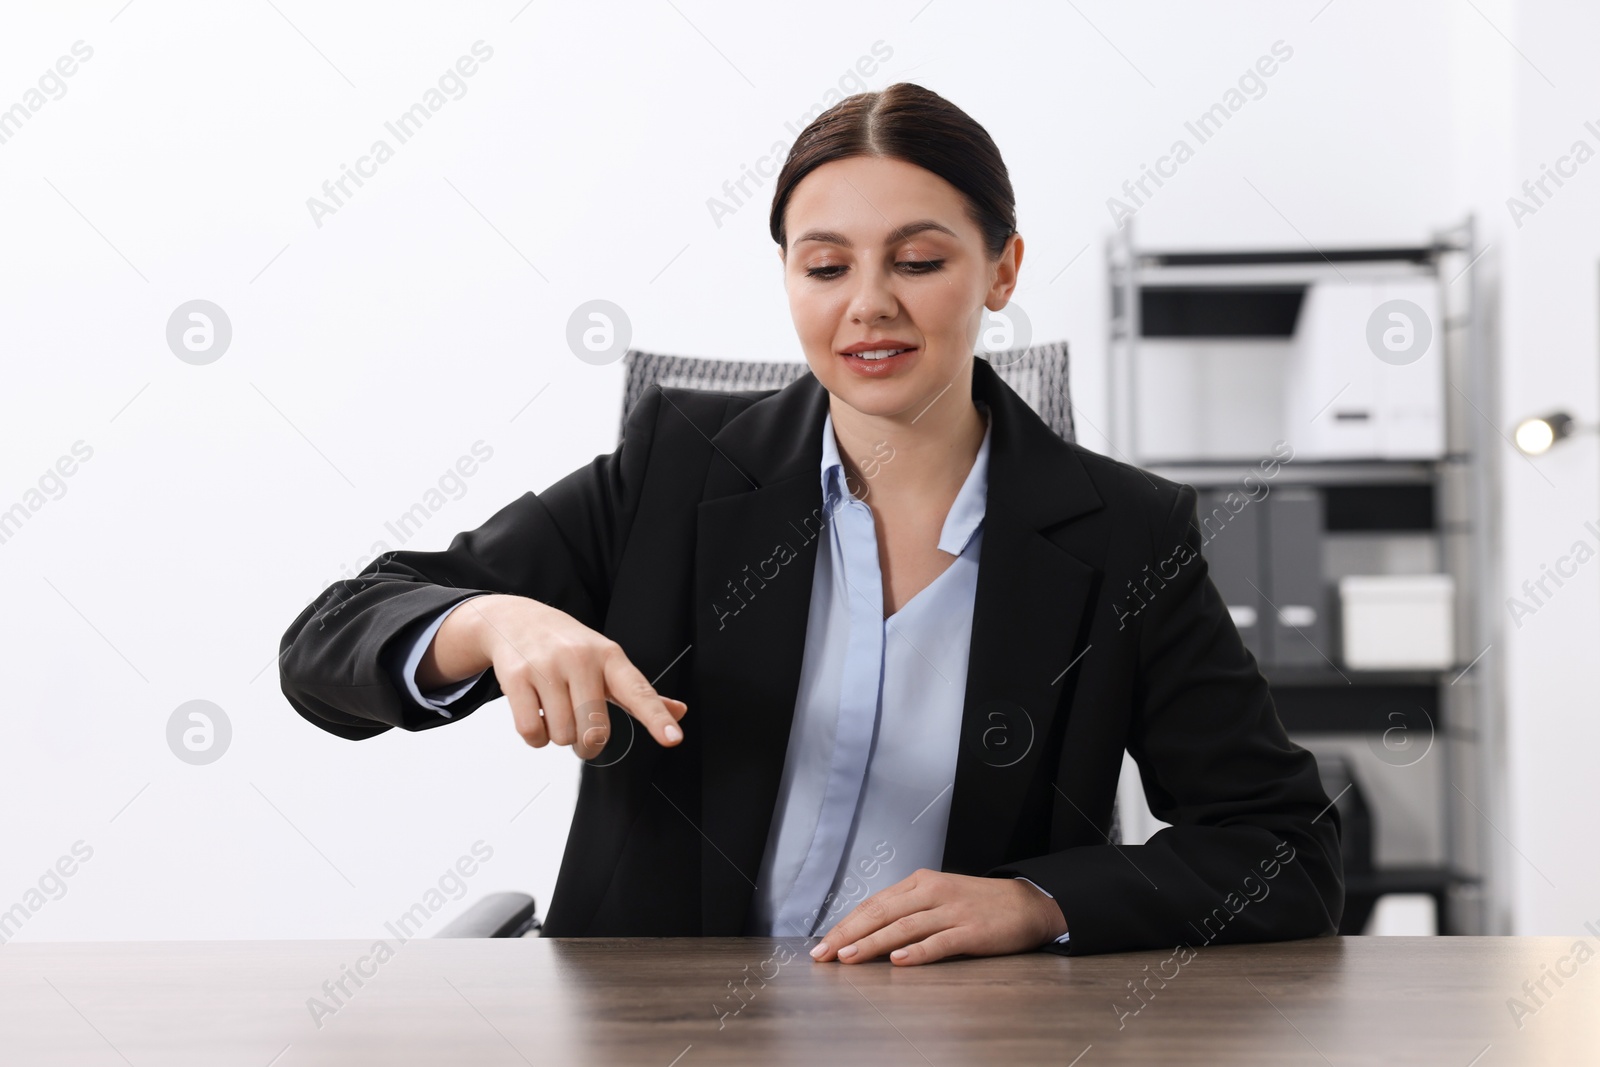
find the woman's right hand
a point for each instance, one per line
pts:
(545, 659)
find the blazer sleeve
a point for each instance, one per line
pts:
(1253, 850)
(560, 547)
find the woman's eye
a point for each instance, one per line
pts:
(911, 266)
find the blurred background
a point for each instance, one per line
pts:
(287, 286)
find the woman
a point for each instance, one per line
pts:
(900, 608)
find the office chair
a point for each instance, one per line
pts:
(1365, 882)
(1039, 376)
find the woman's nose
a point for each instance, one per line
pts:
(872, 299)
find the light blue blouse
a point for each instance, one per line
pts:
(864, 799)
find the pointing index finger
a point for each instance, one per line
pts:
(632, 691)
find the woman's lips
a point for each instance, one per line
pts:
(874, 368)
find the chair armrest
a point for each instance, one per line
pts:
(496, 915)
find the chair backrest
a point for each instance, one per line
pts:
(1038, 374)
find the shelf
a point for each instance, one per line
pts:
(1412, 254)
(1420, 879)
(1356, 707)
(1216, 318)
(1218, 472)
(1287, 273)
(1352, 678)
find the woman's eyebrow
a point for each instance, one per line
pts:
(910, 229)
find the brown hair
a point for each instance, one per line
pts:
(918, 126)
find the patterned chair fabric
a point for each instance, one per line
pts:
(1038, 374)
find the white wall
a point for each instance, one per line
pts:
(371, 352)
(1552, 276)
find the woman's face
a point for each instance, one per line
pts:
(882, 252)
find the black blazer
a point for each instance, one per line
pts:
(1095, 628)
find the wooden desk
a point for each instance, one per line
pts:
(647, 1001)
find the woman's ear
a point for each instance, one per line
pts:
(1005, 274)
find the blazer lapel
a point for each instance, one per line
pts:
(1029, 618)
(755, 555)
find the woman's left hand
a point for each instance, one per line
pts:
(929, 915)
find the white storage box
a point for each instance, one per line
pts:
(1398, 621)
(1344, 399)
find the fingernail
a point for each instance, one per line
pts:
(899, 954)
(674, 734)
(816, 953)
(846, 952)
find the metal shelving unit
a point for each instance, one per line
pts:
(1463, 701)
